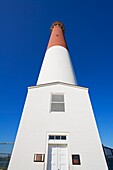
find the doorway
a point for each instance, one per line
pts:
(57, 157)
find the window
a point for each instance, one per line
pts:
(57, 103)
(63, 137)
(57, 137)
(76, 159)
(51, 137)
(39, 157)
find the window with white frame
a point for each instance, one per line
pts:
(57, 137)
(57, 103)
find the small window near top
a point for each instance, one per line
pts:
(76, 159)
(57, 103)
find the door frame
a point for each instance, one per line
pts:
(56, 142)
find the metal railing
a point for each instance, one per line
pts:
(5, 154)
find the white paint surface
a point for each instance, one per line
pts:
(77, 122)
(56, 67)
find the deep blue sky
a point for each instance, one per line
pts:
(24, 34)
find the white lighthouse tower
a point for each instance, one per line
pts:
(57, 130)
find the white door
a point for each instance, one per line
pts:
(57, 157)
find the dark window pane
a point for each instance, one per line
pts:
(51, 137)
(57, 98)
(58, 107)
(57, 137)
(76, 159)
(39, 157)
(63, 137)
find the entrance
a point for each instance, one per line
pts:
(57, 157)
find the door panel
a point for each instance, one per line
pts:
(57, 157)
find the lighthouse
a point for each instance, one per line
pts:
(57, 130)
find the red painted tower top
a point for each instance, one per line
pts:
(57, 35)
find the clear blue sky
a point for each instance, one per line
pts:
(24, 34)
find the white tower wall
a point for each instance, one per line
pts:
(77, 122)
(56, 67)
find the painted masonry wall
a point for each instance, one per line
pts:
(56, 67)
(78, 121)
